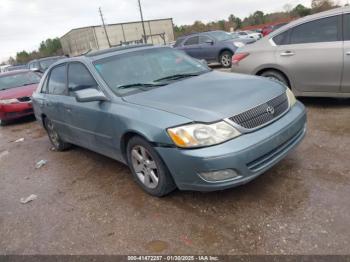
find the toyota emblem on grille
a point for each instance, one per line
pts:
(270, 110)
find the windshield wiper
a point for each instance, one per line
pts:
(28, 84)
(177, 76)
(138, 85)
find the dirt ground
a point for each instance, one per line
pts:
(89, 204)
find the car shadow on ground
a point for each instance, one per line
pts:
(325, 101)
(18, 122)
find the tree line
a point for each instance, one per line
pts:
(257, 18)
(49, 47)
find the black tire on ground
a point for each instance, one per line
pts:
(165, 183)
(225, 59)
(275, 75)
(54, 137)
(3, 123)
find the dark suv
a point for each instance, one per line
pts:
(213, 46)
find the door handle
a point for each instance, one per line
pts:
(287, 53)
(348, 53)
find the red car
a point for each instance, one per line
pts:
(269, 29)
(16, 89)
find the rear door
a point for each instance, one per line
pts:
(207, 49)
(54, 98)
(313, 55)
(346, 72)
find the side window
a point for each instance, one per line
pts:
(347, 27)
(44, 86)
(79, 78)
(282, 39)
(322, 30)
(57, 81)
(204, 39)
(33, 65)
(192, 41)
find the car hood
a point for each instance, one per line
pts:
(209, 97)
(18, 92)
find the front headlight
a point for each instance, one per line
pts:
(201, 135)
(238, 44)
(291, 98)
(8, 101)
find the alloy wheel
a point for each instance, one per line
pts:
(52, 134)
(226, 60)
(145, 167)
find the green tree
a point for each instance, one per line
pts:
(23, 57)
(50, 47)
(300, 11)
(322, 5)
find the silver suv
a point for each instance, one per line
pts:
(310, 55)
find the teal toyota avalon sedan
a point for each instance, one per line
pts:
(171, 119)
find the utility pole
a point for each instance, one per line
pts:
(104, 26)
(143, 24)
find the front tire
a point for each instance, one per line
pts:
(54, 137)
(226, 59)
(148, 168)
(276, 76)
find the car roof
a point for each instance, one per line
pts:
(14, 72)
(332, 12)
(46, 58)
(101, 54)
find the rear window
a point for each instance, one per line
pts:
(17, 80)
(178, 42)
(322, 30)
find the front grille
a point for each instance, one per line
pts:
(24, 99)
(263, 113)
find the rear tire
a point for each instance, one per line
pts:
(226, 59)
(148, 168)
(54, 137)
(276, 76)
(3, 123)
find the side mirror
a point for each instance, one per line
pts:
(210, 42)
(89, 95)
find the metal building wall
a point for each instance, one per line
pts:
(81, 40)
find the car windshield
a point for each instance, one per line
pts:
(17, 80)
(146, 69)
(44, 64)
(221, 35)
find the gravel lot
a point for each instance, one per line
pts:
(89, 204)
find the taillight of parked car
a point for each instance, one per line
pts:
(239, 57)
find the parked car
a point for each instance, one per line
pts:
(174, 121)
(16, 89)
(270, 28)
(42, 64)
(249, 35)
(310, 55)
(213, 46)
(245, 41)
(16, 67)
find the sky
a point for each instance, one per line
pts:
(25, 23)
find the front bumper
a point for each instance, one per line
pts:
(14, 111)
(250, 154)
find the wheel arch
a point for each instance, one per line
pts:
(125, 138)
(260, 71)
